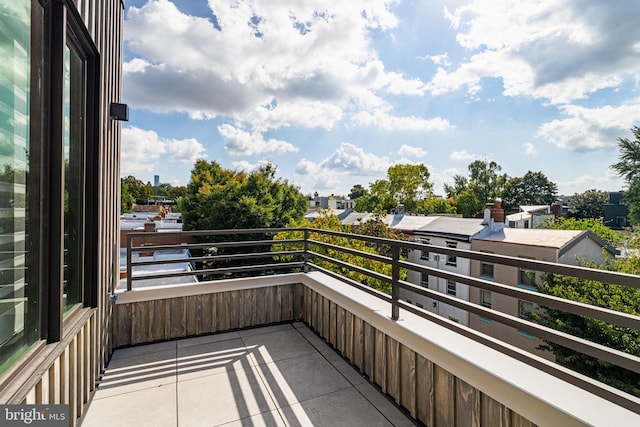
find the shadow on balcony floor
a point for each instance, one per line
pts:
(280, 375)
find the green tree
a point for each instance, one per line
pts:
(534, 188)
(467, 204)
(620, 298)
(218, 198)
(138, 189)
(460, 184)
(434, 205)
(628, 167)
(327, 221)
(126, 198)
(485, 181)
(589, 204)
(405, 184)
(357, 191)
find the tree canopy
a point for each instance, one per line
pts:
(589, 204)
(405, 184)
(484, 185)
(218, 198)
(628, 167)
(615, 297)
(534, 188)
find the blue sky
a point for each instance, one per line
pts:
(333, 93)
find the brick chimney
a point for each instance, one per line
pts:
(149, 227)
(497, 213)
(556, 209)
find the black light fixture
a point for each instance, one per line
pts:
(119, 112)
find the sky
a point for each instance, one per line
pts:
(334, 93)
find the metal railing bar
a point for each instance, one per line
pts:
(352, 267)
(354, 283)
(260, 267)
(611, 316)
(609, 393)
(350, 251)
(618, 358)
(213, 258)
(142, 248)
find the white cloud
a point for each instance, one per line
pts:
(142, 150)
(247, 63)
(608, 182)
(529, 148)
(559, 51)
(347, 159)
(464, 156)
(587, 129)
(245, 166)
(409, 151)
(238, 142)
(385, 121)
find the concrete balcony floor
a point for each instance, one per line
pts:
(281, 375)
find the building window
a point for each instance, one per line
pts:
(451, 260)
(424, 254)
(451, 288)
(486, 271)
(19, 200)
(525, 308)
(527, 280)
(485, 298)
(424, 279)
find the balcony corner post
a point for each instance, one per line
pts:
(306, 250)
(395, 280)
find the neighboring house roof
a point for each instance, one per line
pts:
(541, 209)
(563, 240)
(410, 223)
(452, 228)
(158, 255)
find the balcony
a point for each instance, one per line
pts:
(204, 349)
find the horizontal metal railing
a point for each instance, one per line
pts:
(312, 249)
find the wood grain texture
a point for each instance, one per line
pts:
(392, 368)
(445, 397)
(494, 413)
(467, 405)
(408, 397)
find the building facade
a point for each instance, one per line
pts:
(558, 246)
(59, 150)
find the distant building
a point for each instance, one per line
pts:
(156, 180)
(615, 212)
(558, 246)
(529, 217)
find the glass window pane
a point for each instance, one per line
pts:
(19, 314)
(73, 175)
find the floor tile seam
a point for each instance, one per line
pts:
(321, 352)
(318, 396)
(96, 397)
(388, 399)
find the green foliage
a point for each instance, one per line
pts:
(218, 198)
(405, 184)
(591, 224)
(434, 205)
(468, 204)
(628, 167)
(534, 188)
(126, 198)
(138, 189)
(615, 297)
(326, 221)
(485, 181)
(357, 191)
(589, 204)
